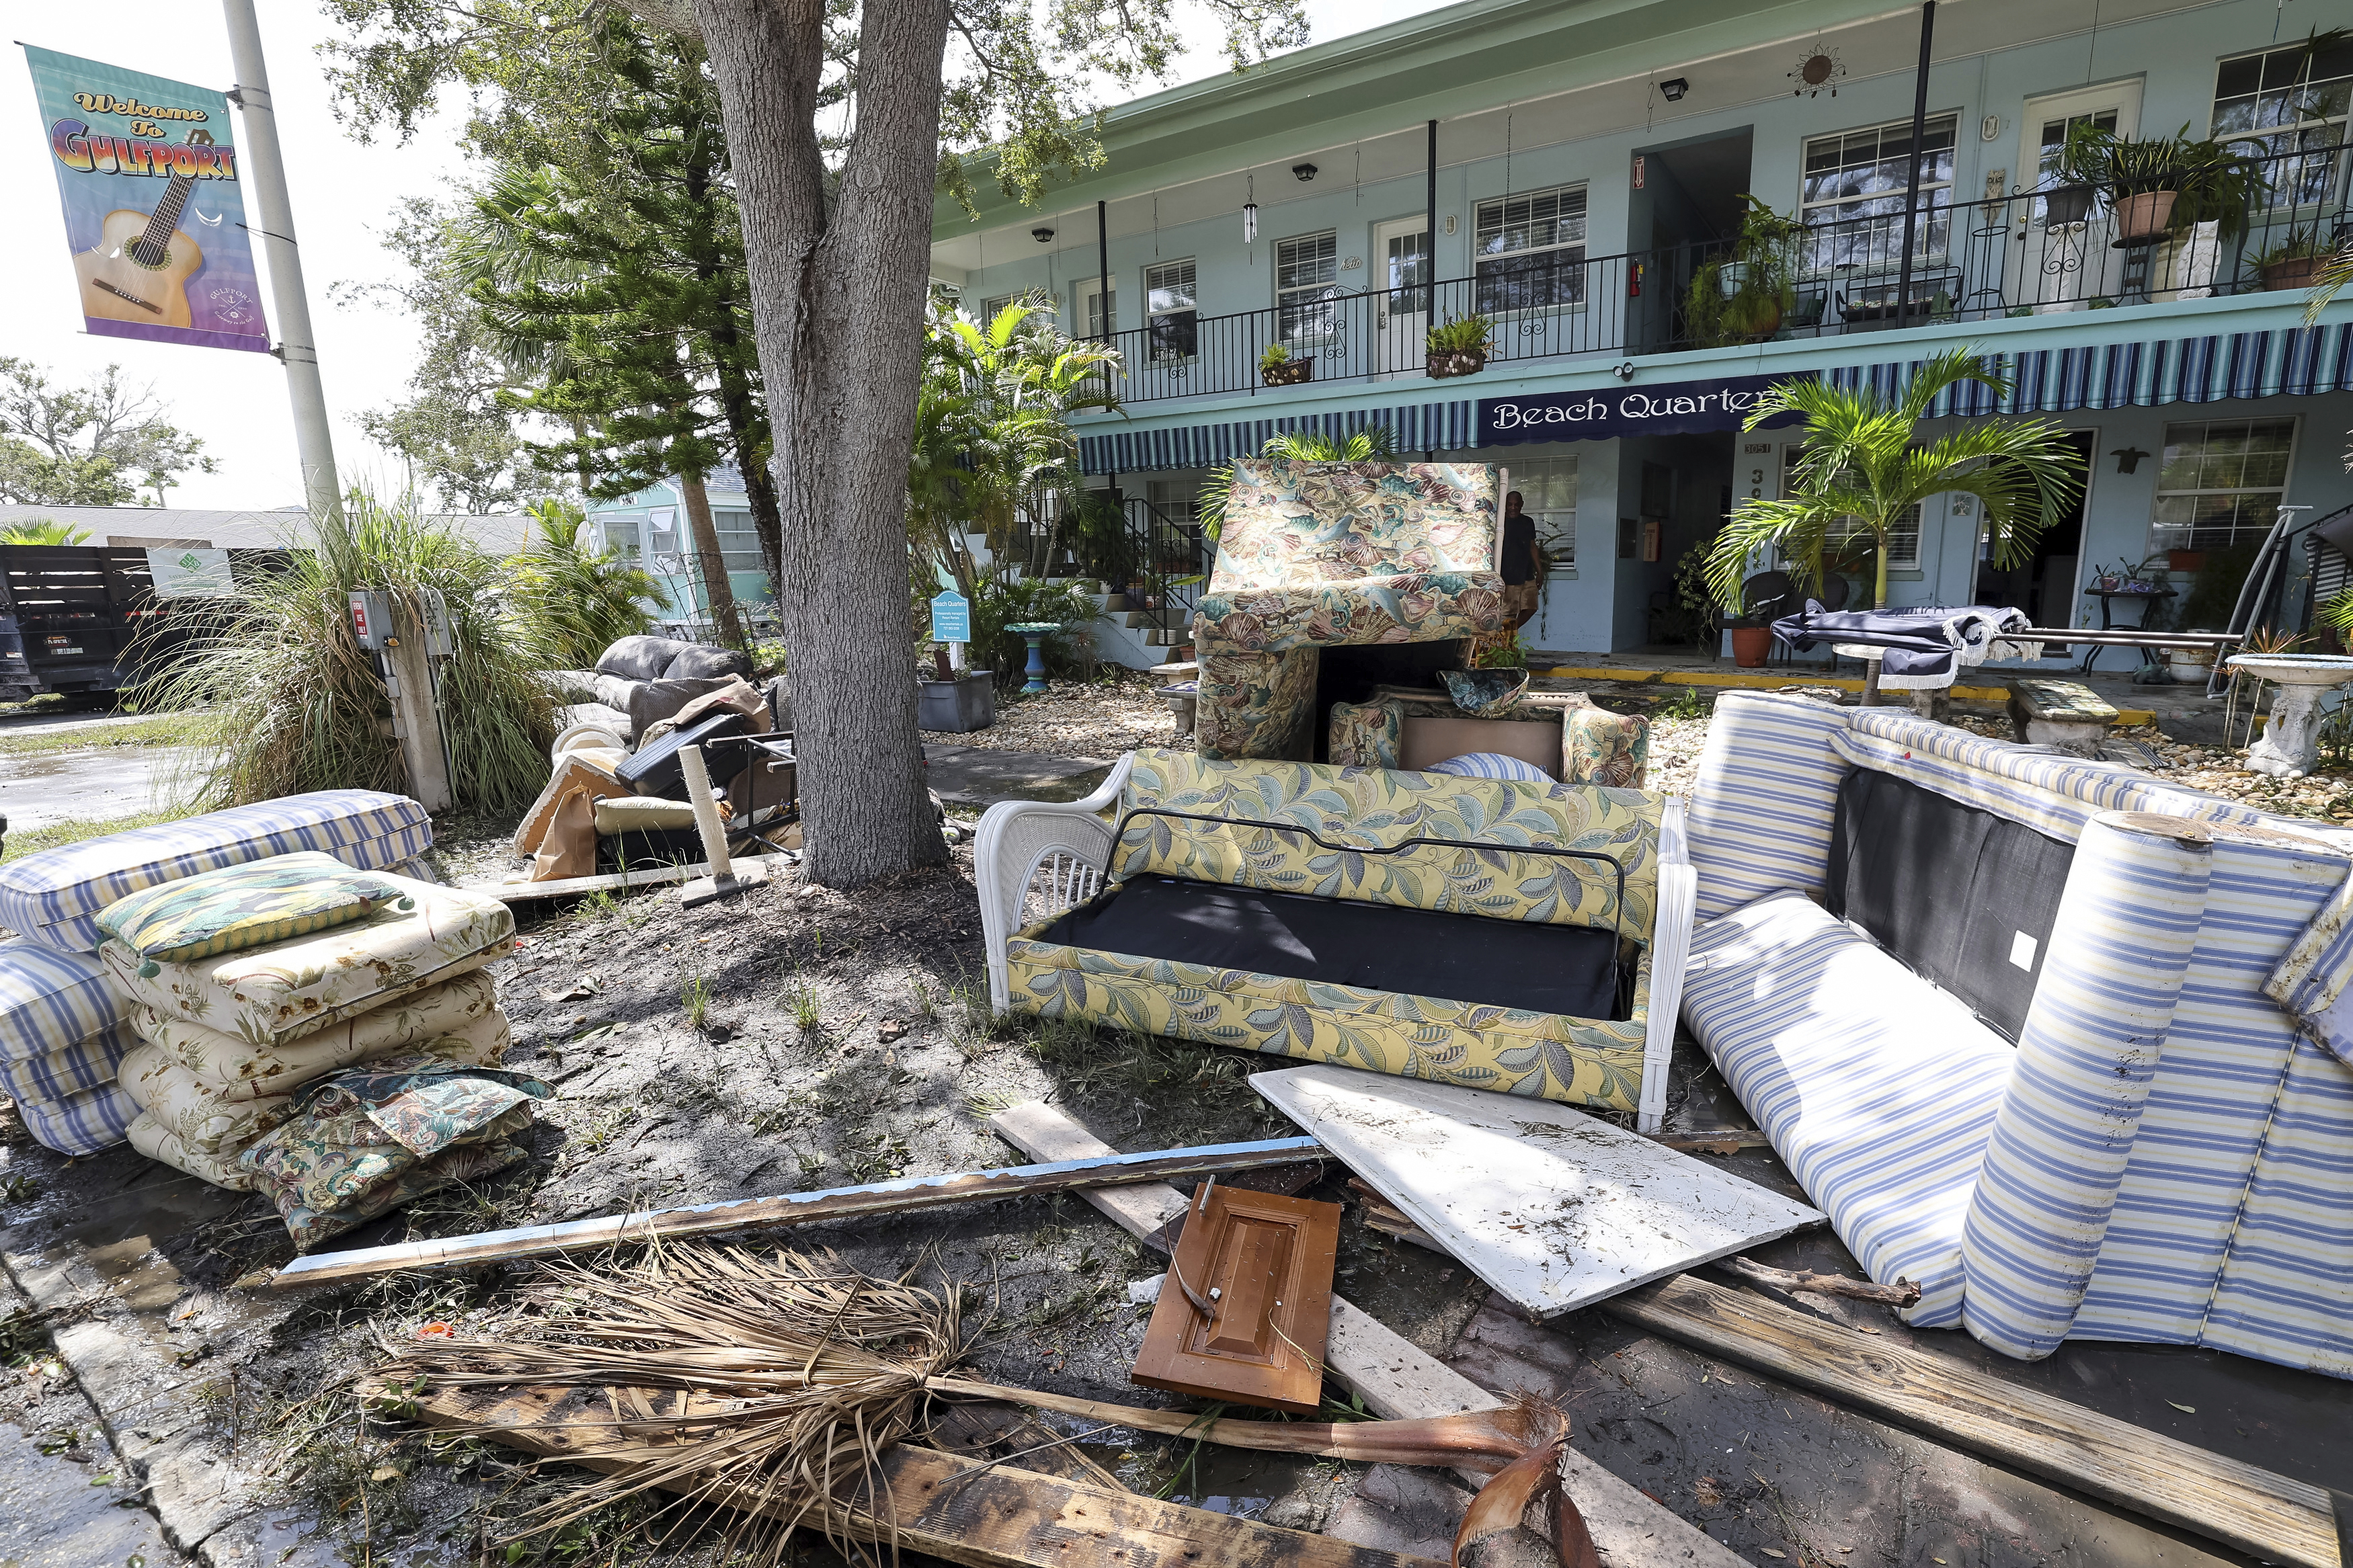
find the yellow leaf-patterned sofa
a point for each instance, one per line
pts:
(1524, 938)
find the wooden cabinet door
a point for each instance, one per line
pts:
(1270, 1261)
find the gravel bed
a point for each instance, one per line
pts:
(1096, 719)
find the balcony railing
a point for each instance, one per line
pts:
(2029, 253)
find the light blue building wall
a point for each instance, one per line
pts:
(651, 527)
(1553, 105)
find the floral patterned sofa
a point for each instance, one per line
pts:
(1317, 555)
(2059, 1040)
(1588, 744)
(1503, 935)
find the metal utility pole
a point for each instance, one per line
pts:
(313, 442)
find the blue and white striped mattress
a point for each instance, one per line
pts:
(54, 898)
(82, 1123)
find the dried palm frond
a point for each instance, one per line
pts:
(776, 1383)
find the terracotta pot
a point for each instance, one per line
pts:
(1470, 361)
(1750, 645)
(2299, 272)
(2185, 559)
(1289, 372)
(2146, 216)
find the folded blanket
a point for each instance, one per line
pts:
(274, 995)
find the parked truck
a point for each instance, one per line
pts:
(85, 621)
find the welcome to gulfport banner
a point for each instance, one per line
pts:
(148, 171)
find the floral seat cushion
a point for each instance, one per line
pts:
(237, 1068)
(270, 996)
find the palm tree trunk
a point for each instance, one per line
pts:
(714, 566)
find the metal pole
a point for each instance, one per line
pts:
(1429, 208)
(1919, 133)
(296, 349)
(1103, 263)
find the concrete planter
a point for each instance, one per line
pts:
(956, 707)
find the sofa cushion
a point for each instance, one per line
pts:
(80, 1123)
(240, 1069)
(54, 897)
(1357, 809)
(245, 906)
(49, 1001)
(1490, 765)
(70, 1071)
(668, 659)
(1878, 1089)
(1566, 970)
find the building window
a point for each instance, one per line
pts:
(2288, 102)
(739, 542)
(1037, 300)
(2222, 480)
(1531, 251)
(1306, 282)
(1854, 190)
(1101, 308)
(1172, 312)
(1547, 488)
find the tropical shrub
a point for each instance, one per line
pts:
(1003, 600)
(289, 701)
(44, 530)
(578, 600)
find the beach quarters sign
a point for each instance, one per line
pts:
(1679, 408)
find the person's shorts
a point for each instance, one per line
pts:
(1520, 599)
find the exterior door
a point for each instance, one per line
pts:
(1401, 304)
(2064, 261)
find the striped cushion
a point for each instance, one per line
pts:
(1490, 765)
(54, 897)
(1876, 1088)
(1767, 792)
(72, 1069)
(80, 1123)
(51, 1000)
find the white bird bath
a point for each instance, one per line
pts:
(2290, 743)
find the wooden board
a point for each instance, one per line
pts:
(1553, 1208)
(1264, 1261)
(748, 867)
(962, 1510)
(1396, 1379)
(2250, 1508)
(901, 1196)
(985, 1430)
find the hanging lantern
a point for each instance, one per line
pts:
(1250, 222)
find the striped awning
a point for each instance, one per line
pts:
(2299, 362)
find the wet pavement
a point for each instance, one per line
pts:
(96, 785)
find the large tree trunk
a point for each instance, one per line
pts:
(716, 589)
(838, 302)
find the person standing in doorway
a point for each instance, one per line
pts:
(1524, 562)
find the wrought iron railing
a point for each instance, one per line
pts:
(2026, 253)
(1172, 564)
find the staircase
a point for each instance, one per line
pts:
(1137, 638)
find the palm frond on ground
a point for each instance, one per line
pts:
(1864, 467)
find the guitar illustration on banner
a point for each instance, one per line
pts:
(139, 269)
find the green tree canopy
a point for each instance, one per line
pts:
(96, 445)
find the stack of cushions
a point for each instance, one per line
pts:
(244, 985)
(62, 1025)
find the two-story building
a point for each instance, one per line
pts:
(650, 528)
(1567, 168)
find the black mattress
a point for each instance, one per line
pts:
(1571, 971)
(1960, 896)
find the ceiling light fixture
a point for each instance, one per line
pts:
(1673, 89)
(1305, 171)
(1042, 234)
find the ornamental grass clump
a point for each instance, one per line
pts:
(288, 702)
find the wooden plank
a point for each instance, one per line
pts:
(1007, 1432)
(1263, 1263)
(903, 1195)
(750, 867)
(2255, 1509)
(1397, 1380)
(963, 1510)
(1553, 1208)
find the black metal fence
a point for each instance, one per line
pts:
(1172, 564)
(2022, 254)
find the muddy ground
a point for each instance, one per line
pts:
(798, 1038)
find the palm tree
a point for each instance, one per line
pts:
(44, 531)
(1374, 443)
(1863, 468)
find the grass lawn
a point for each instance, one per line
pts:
(162, 729)
(32, 840)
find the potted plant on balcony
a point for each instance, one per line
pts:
(2154, 185)
(1277, 368)
(1742, 296)
(2295, 263)
(1458, 347)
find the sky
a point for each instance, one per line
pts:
(343, 194)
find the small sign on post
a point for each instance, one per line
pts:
(190, 574)
(951, 628)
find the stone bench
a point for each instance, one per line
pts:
(2059, 714)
